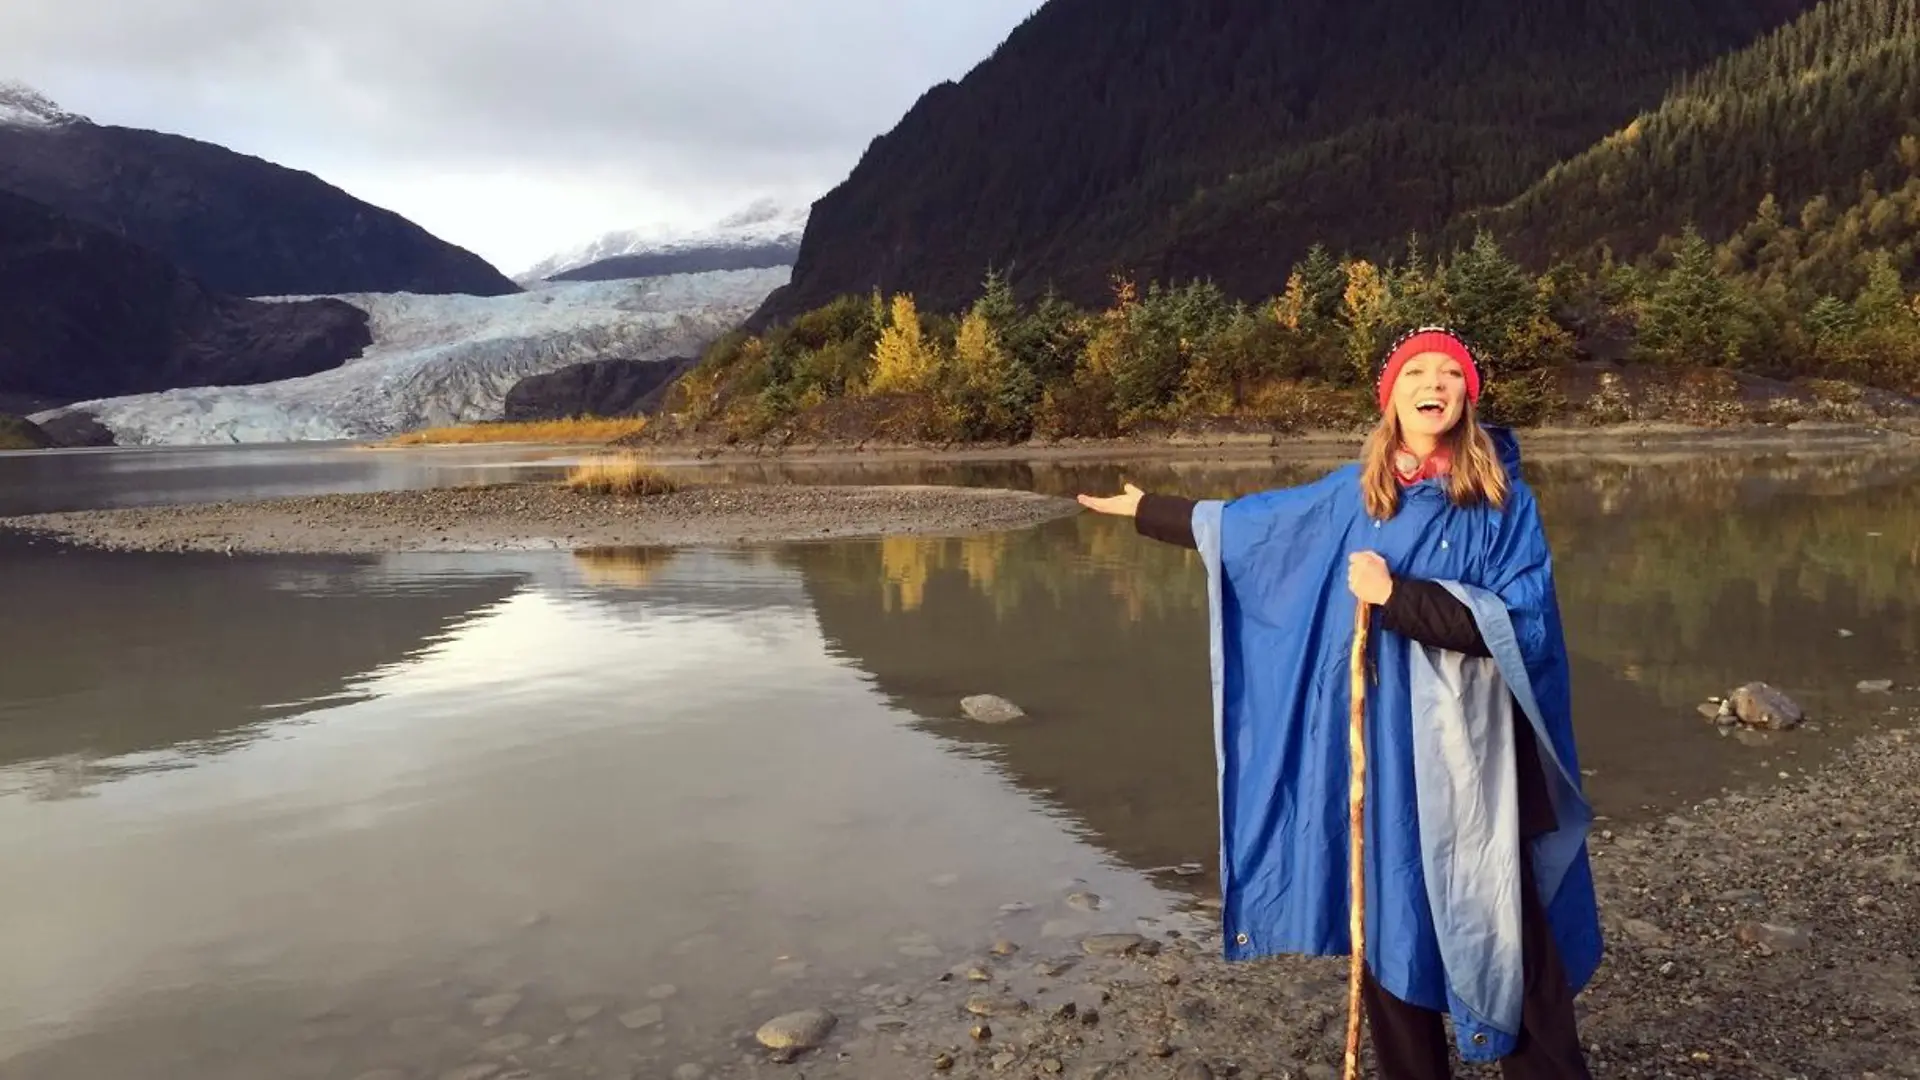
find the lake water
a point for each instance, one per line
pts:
(311, 817)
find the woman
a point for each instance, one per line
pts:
(1480, 899)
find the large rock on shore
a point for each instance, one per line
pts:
(1762, 706)
(596, 388)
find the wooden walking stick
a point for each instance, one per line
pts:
(1356, 846)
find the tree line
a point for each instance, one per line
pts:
(1173, 354)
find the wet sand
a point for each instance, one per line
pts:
(535, 516)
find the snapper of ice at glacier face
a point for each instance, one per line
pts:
(447, 359)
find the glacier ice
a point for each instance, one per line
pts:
(447, 359)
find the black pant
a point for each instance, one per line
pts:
(1412, 1044)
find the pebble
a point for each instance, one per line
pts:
(1875, 686)
(1085, 901)
(478, 1071)
(506, 1044)
(995, 1005)
(1112, 944)
(1002, 1060)
(1772, 936)
(1193, 1070)
(643, 1017)
(580, 1014)
(662, 992)
(689, 1071)
(801, 1030)
(496, 1007)
(1003, 947)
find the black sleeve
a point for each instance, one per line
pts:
(1167, 518)
(1425, 611)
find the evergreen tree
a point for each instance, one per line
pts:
(1489, 298)
(1691, 314)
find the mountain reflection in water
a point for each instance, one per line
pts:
(294, 815)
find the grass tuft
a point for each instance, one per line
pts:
(620, 476)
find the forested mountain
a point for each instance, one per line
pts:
(1222, 138)
(1813, 131)
(1740, 251)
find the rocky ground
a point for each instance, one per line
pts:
(535, 516)
(1773, 933)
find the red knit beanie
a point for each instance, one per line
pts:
(1424, 340)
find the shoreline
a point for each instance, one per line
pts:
(1547, 442)
(1772, 931)
(531, 516)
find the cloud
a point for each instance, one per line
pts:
(572, 109)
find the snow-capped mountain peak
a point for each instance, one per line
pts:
(763, 223)
(23, 106)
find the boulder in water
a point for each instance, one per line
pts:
(1762, 706)
(988, 709)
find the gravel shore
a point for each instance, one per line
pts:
(1769, 934)
(546, 516)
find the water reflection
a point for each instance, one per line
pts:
(296, 815)
(577, 780)
(1679, 579)
(139, 658)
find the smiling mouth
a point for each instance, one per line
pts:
(1430, 407)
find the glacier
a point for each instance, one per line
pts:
(761, 223)
(446, 359)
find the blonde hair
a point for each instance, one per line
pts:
(1476, 475)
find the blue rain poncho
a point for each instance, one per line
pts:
(1441, 828)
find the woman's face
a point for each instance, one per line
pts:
(1429, 395)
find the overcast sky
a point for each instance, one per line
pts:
(515, 127)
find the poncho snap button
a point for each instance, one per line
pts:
(1241, 938)
(1479, 1038)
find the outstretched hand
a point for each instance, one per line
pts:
(1126, 504)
